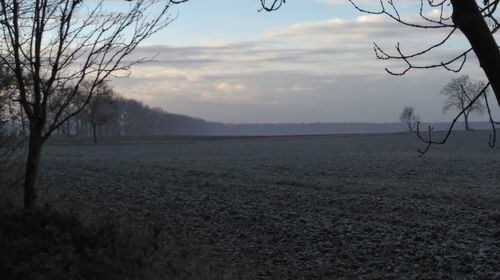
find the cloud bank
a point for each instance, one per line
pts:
(322, 71)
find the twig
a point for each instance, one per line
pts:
(429, 140)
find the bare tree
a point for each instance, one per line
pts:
(101, 107)
(459, 93)
(409, 118)
(51, 45)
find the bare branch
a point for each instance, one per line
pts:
(273, 6)
(429, 141)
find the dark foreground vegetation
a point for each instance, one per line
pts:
(48, 244)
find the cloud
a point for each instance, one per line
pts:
(228, 87)
(310, 71)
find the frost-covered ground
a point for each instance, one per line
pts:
(314, 207)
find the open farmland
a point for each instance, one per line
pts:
(304, 207)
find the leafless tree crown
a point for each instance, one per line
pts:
(54, 44)
(459, 92)
(409, 117)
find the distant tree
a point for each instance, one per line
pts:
(52, 46)
(101, 107)
(409, 118)
(459, 93)
(133, 117)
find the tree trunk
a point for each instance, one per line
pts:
(94, 132)
(466, 119)
(32, 167)
(467, 16)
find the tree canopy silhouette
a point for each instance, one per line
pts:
(52, 46)
(409, 118)
(459, 92)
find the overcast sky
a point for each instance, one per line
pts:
(311, 61)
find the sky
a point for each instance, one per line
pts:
(310, 61)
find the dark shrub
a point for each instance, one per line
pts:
(43, 244)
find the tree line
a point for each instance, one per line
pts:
(109, 114)
(119, 116)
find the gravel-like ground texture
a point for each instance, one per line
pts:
(322, 207)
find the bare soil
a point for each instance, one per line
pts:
(317, 207)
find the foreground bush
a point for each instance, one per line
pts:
(44, 244)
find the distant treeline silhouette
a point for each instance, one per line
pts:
(324, 128)
(112, 115)
(129, 117)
